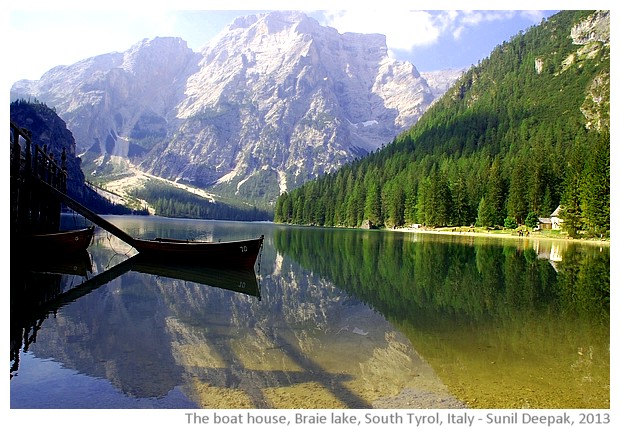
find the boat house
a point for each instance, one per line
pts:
(553, 222)
(556, 220)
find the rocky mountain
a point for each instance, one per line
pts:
(440, 81)
(275, 100)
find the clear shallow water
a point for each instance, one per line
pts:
(342, 319)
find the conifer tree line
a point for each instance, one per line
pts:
(521, 133)
(172, 202)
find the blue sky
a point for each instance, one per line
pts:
(431, 40)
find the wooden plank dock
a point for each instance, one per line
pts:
(31, 210)
(39, 188)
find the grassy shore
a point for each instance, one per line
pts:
(504, 233)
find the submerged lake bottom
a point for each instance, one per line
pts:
(328, 319)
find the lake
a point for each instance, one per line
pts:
(330, 318)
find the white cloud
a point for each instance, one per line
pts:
(403, 29)
(474, 18)
(457, 32)
(465, 20)
(535, 16)
(406, 29)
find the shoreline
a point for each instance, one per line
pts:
(466, 232)
(508, 235)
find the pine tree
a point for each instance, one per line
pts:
(372, 205)
(495, 195)
(595, 190)
(518, 193)
(461, 211)
(423, 202)
(485, 217)
(571, 206)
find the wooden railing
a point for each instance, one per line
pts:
(32, 210)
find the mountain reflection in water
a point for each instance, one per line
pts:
(329, 319)
(296, 341)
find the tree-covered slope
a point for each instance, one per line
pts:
(524, 131)
(49, 131)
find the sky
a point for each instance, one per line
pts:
(432, 40)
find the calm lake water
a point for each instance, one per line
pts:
(329, 319)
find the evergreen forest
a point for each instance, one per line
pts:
(172, 202)
(522, 132)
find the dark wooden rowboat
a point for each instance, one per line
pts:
(67, 242)
(226, 254)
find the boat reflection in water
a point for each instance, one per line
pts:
(40, 287)
(242, 280)
(37, 286)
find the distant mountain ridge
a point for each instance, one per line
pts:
(275, 100)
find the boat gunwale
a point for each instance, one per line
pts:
(67, 233)
(161, 240)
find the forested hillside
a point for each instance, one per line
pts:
(524, 131)
(169, 201)
(49, 131)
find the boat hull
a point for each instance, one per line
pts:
(229, 254)
(66, 242)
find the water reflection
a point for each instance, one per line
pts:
(505, 323)
(330, 319)
(285, 339)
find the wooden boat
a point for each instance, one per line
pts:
(72, 241)
(236, 254)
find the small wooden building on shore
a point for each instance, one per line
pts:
(553, 222)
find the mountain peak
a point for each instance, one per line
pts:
(163, 53)
(272, 22)
(254, 31)
(276, 99)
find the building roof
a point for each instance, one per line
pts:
(556, 212)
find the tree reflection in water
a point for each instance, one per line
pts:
(345, 319)
(504, 322)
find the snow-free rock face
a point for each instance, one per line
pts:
(275, 100)
(117, 105)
